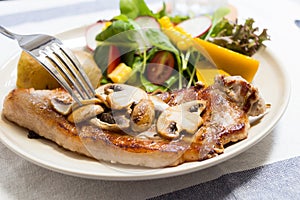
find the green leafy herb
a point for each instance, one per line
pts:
(216, 18)
(116, 28)
(162, 12)
(121, 17)
(150, 87)
(178, 18)
(242, 38)
(101, 56)
(134, 8)
(138, 46)
(158, 39)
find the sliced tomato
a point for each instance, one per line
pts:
(114, 58)
(160, 68)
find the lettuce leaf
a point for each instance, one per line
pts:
(134, 8)
(241, 38)
(114, 29)
(217, 16)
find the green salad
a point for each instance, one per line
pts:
(155, 51)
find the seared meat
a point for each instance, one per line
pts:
(224, 120)
(32, 109)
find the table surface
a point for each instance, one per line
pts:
(271, 169)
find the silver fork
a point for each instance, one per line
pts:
(58, 60)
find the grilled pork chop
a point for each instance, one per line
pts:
(229, 102)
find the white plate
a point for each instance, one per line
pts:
(271, 80)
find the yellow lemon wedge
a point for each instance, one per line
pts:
(229, 61)
(207, 76)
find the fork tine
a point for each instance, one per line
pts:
(81, 74)
(58, 60)
(62, 65)
(70, 71)
(43, 58)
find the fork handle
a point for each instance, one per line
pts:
(7, 33)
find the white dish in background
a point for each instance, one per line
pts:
(270, 79)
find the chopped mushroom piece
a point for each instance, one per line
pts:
(142, 115)
(101, 95)
(85, 113)
(104, 125)
(122, 96)
(86, 102)
(159, 104)
(61, 106)
(121, 123)
(65, 107)
(120, 99)
(184, 117)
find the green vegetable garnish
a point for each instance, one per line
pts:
(134, 8)
(216, 18)
(242, 38)
(138, 46)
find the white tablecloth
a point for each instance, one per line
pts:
(272, 167)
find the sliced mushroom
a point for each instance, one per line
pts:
(62, 106)
(142, 115)
(66, 106)
(119, 123)
(86, 102)
(121, 96)
(181, 118)
(104, 125)
(100, 93)
(150, 133)
(85, 113)
(122, 121)
(107, 117)
(159, 104)
(114, 121)
(195, 107)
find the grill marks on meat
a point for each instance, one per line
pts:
(225, 120)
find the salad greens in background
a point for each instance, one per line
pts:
(137, 45)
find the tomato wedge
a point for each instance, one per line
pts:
(160, 68)
(114, 58)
